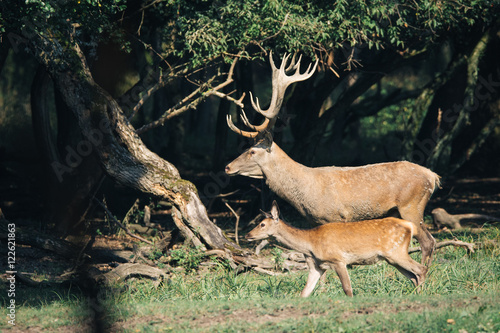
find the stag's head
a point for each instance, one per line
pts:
(249, 163)
(268, 226)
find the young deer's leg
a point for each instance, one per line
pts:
(315, 273)
(416, 276)
(408, 267)
(341, 270)
(409, 274)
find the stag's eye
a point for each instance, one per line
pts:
(252, 152)
(262, 225)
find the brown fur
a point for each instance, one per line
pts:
(341, 244)
(344, 194)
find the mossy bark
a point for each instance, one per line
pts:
(122, 153)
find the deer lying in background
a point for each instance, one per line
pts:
(334, 194)
(342, 244)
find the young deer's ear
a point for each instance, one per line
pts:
(275, 211)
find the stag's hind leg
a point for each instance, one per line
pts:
(415, 214)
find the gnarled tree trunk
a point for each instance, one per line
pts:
(121, 152)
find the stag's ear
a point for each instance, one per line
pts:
(267, 140)
(275, 211)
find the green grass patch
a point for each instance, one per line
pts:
(461, 294)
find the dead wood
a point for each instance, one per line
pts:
(145, 230)
(40, 241)
(66, 279)
(237, 221)
(128, 270)
(130, 213)
(468, 246)
(120, 224)
(147, 216)
(27, 280)
(107, 255)
(292, 261)
(56, 245)
(454, 221)
(223, 254)
(266, 271)
(261, 246)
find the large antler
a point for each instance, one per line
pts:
(280, 81)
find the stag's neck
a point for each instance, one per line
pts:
(284, 176)
(294, 238)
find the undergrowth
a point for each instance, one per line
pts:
(461, 292)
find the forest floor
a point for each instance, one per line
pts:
(62, 307)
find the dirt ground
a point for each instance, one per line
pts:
(456, 196)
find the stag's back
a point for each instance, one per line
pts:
(340, 194)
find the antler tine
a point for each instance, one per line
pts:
(294, 64)
(309, 72)
(235, 129)
(280, 82)
(258, 128)
(284, 62)
(255, 104)
(271, 61)
(297, 77)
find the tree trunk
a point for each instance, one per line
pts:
(67, 192)
(439, 158)
(122, 154)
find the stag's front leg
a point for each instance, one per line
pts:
(315, 273)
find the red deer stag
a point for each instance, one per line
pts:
(342, 244)
(334, 194)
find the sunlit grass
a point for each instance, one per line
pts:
(462, 291)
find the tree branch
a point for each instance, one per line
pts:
(440, 152)
(468, 246)
(487, 130)
(182, 106)
(121, 225)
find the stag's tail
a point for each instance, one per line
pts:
(435, 181)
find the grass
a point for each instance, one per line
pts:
(461, 294)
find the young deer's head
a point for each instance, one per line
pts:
(268, 226)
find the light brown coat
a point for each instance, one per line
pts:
(342, 244)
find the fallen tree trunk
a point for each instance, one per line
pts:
(454, 221)
(40, 241)
(126, 271)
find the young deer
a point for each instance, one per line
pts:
(333, 194)
(342, 244)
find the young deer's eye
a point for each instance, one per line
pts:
(252, 152)
(262, 225)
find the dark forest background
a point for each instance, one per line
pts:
(396, 81)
